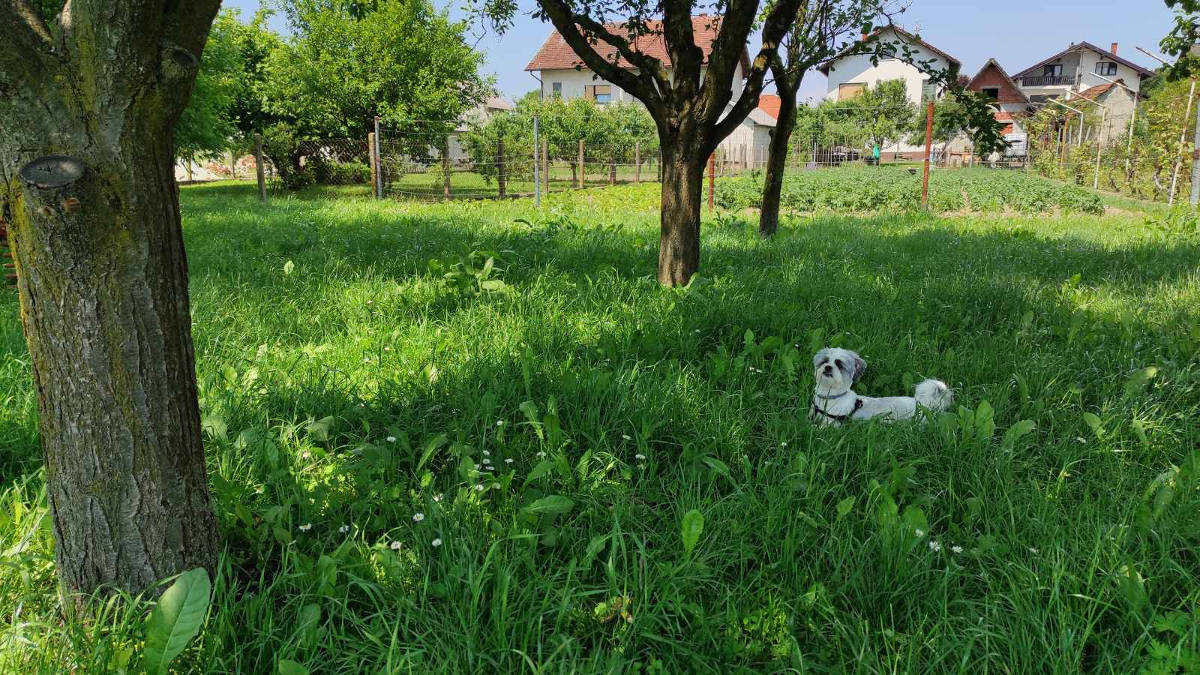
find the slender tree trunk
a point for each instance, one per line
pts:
(679, 237)
(103, 285)
(768, 218)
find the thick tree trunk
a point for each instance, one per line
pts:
(768, 217)
(103, 285)
(679, 236)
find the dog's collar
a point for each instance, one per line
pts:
(858, 404)
(830, 398)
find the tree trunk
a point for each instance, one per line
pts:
(102, 278)
(679, 235)
(768, 217)
(103, 285)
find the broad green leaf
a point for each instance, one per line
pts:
(985, 424)
(431, 447)
(289, 667)
(1016, 431)
(693, 525)
(716, 465)
(321, 428)
(1139, 378)
(844, 506)
(542, 468)
(1094, 423)
(554, 504)
(176, 619)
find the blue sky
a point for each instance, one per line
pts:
(1018, 33)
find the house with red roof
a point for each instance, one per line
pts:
(850, 74)
(562, 73)
(1009, 102)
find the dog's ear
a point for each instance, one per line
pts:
(860, 366)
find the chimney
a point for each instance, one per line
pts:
(1113, 49)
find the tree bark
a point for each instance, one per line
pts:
(768, 217)
(102, 277)
(679, 234)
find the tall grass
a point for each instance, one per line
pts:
(483, 469)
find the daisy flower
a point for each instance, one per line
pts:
(391, 439)
(418, 517)
(935, 545)
(305, 527)
(396, 545)
(436, 542)
(344, 529)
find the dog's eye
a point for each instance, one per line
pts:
(838, 363)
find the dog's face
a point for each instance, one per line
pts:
(835, 370)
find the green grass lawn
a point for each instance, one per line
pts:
(489, 472)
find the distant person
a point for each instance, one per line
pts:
(875, 153)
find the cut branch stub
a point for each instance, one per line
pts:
(51, 172)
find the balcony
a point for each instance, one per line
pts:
(1048, 81)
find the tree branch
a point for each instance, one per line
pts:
(31, 18)
(777, 22)
(27, 42)
(567, 24)
(187, 23)
(644, 62)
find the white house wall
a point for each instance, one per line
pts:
(859, 70)
(574, 81)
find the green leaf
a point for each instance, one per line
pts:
(693, 525)
(1139, 378)
(542, 468)
(176, 619)
(985, 425)
(844, 506)
(430, 447)
(716, 465)
(289, 667)
(1094, 424)
(554, 504)
(1016, 431)
(288, 267)
(321, 428)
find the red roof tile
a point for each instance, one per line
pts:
(1098, 90)
(769, 103)
(557, 54)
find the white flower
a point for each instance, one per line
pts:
(956, 549)
(783, 444)
(499, 423)
(697, 330)
(418, 517)
(625, 437)
(541, 454)
(639, 457)
(344, 529)
(437, 498)
(487, 453)
(391, 439)
(387, 349)
(305, 527)
(935, 545)
(487, 460)
(396, 545)
(479, 488)
(305, 455)
(1033, 551)
(436, 542)
(919, 533)
(508, 460)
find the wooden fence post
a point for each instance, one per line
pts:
(258, 163)
(377, 187)
(612, 170)
(637, 161)
(712, 168)
(928, 148)
(581, 181)
(446, 168)
(500, 166)
(374, 164)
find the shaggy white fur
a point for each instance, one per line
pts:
(835, 371)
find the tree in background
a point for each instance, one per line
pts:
(692, 102)
(91, 97)
(206, 127)
(819, 32)
(959, 112)
(1182, 39)
(399, 59)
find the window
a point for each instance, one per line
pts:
(556, 89)
(600, 93)
(1106, 68)
(850, 90)
(993, 93)
(1052, 70)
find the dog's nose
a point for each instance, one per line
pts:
(828, 370)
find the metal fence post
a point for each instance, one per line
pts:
(446, 168)
(378, 161)
(537, 178)
(374, 164)
(258, 168)
(546, 164)
(637, 161)
(928, 148)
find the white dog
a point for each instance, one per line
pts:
(835, 370)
